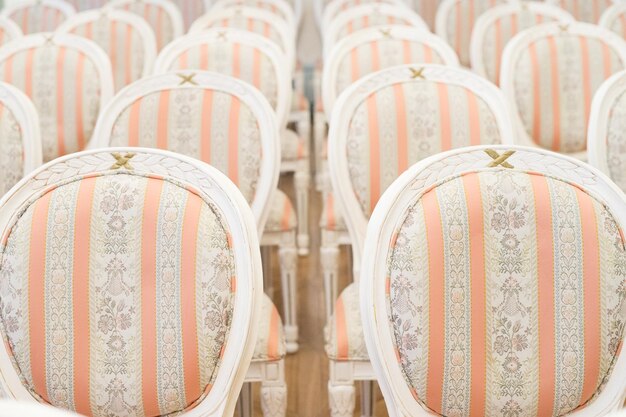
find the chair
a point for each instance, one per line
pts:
(277, 7)
(131, 285)
(191, 10)
(260, 63)
(162, 15)
(228, 124)
(517, 253)
(29, 409)
(455, 22)
(367, 16)
(127, 38)
(427, 9)
(335, 7)
(82, 5)
(69, 80)
(550, 73)
(38, 15)
(383, 124)
(614, 18)
(606, 146)
(588, 11)
(9, 30)
(498, 25)
(20, 139)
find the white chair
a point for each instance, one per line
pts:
(278, 8)
(335, 7)
(382, 125)
(34, 16)
(162, 15)
(9, 30)
(28, 409)
(228, 124)
(69, 80)
(517, 253)
(614, 18)
(550, 73)
(499, 24)
(132, 285)
(455, 22)
(127, 38)
(82, 5)
(588, 11)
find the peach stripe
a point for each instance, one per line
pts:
(204, 57)
(406, 52)
(474, 118)
(113, 46)
(374, 141)
(545, 287)
(162, 122)
(236, 60)
(606, 57)
(191, 367)
(182, 60)
(534, 63)
(256, 68)
(473, 196)
(331, 222)
(159, 32)
(266, 30)
(514, 25)
(584, 51)
(8, 72)
(272, 340)
(60, 101)
(82, 250)
(403, 148)
(436, 309)
(25, 27)
(207, 111)
(596, 11)
(233, 141)
(444, 113)
(133, 124)
(457, 41)
(428, 54)
(128, 55)
(498, 53)
(556, 103)
(354, 63)
(539, 19)
(89, 30)
(30, 57)
(149, 363)
(622, 19)
(591, 274)
(342, 329)
(36, 294)
(80, 129)
(575, 10)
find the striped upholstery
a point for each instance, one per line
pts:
(39, 17)
(81, 5)
(459, 23)
(158, 18)
(122, 42)
(371, 20)
(259, 4)
(584, 10)
(616, 141)
(214, 127)
(617, 23)
(554, 81)
(191, 10)
(12, 155)
(506, 294)
(501, 31)
(331, 219)
(344, 338)
(117, 294)
(64, 85)
(427, 9)
(250, 24)
(348, 4)
(282, 215)
(399, 125)
(270, 344)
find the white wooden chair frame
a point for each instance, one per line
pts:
(222, 398)
(10, 28)
(520, 42)
(135, 21)
(603, 101)
(343, 374)
(486, 20)
(278, 8)
(393, 204)
(343, 19)
(332, 10)
(611, 14)
(172, 11)
(270, 374)
(286, 241)
(62, 6)
(27, 409)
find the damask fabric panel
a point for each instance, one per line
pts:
(241, 61)
(501, 32)
(64, 86)
(404, 123)
(174, 120)
(12, 155)
(157, 18)
(460, 23)
(616, 142)
(555, 80)
(375, 56)
(116, 297)
(122, 43)
(38, 18)
(523, 277)
(585, 10)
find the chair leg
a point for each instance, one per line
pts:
(288, 269)
(329, 257)
(341, 399)
(302, 178)
(244, 402)
(367, 398)
(274, 390)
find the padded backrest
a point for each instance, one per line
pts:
(584, 10)
(39, 16)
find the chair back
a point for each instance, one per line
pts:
(127, 38)
(68, 78)
(550, 74)
(493, 284)
(335, 7)
(279, 8)
(131, 284)
(34, 16)
(588, 11)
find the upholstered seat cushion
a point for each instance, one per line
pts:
(282, 214)
(270, 342)
(331, 218)
(344, 333)
(293, 146)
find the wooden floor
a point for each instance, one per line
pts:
(307, 370)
